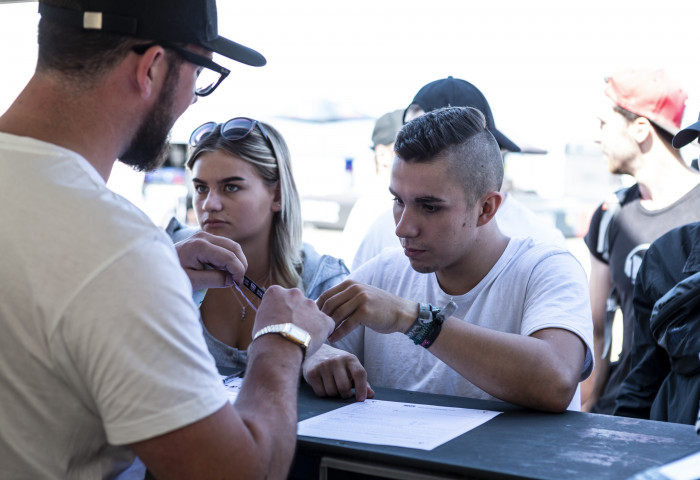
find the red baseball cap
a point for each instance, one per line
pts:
(649, 93)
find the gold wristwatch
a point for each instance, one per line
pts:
(289, 331)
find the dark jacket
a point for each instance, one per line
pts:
(664, 383)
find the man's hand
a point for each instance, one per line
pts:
(211, 261)
(332, 372)
(281, 305)
(352, 304)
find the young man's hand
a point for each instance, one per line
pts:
(332, 372)
(352, 304)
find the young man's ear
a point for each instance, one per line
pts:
(490, 203)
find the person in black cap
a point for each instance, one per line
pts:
(455, 92)
(514, 218)
(664, 382)
(101, 354)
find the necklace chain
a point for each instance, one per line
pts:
(236, 292)
(235, 295)
(243, 306)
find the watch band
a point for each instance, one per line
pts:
(288, 331)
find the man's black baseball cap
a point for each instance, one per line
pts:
(176, 21)
(687, 135)
(454, 92)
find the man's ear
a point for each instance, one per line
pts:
(490, 204)
(152, 65)
(640, 129)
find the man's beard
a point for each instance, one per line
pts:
(150, 146)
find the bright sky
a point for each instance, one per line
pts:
(540, 63)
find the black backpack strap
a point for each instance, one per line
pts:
(611, 306)
(611, 207)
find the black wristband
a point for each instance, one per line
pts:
(421, 327)
(428, 325)
(436, 328)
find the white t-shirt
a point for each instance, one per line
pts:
(368, 207)
(101, 344)
(532, 286)
(514, 220)
(380, 235)
(517, 220)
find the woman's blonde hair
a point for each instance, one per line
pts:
(272, 161)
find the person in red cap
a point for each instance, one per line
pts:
(641, 111)
(664, 383)
(102, 357)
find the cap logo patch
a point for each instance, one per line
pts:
(92, 20)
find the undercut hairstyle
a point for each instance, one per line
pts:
(83, 56)
(273, 166)
(459, 136)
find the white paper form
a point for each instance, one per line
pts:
(687, 468)
(409, 425)
(233, 386)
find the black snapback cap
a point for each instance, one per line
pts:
(177, 21)
(454, 92)
(687, 135)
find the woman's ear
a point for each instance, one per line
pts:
(277, 199)
(489, 206)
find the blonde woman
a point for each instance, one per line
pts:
(244, 190)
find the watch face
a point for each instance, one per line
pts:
(299, 334)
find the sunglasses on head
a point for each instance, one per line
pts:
(234, 130)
